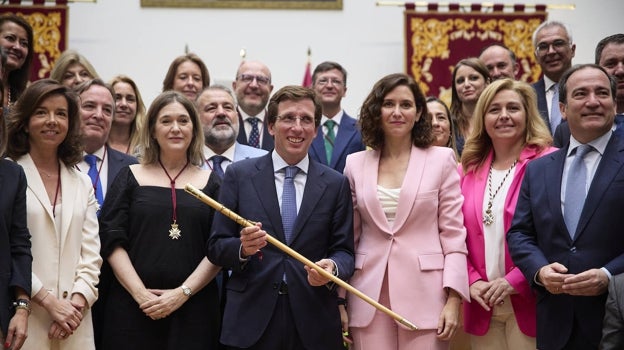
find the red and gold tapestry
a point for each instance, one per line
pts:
(435, 41)
(49, 25)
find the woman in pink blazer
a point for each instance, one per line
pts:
(409, 234)
(508, 133)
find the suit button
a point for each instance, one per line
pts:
(573, 249)
(65, 294)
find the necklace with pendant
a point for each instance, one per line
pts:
(174, 232)
(488, 216)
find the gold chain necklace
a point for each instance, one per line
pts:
(488, 216)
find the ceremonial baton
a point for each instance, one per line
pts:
(286, 249)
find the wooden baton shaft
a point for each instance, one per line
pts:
(286, 249)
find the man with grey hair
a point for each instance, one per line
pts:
(217, 112)
(554, 50)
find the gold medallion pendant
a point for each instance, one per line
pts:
(175, 232)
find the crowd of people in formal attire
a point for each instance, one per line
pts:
(490, 222)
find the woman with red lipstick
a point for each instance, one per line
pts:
(507, 134)
(187, 75)
(16, 38)
(129, 116)
(153, 235)
(410, 243)
(44, 134)
(470, 77)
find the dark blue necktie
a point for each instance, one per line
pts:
(254, 135)
(576, 189)
(95, 178)
(289, 202)
(216, 165)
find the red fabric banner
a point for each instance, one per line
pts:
(436, 41)
(49, 25)
(307, 76)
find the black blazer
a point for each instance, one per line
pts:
(542, 105)
(116, 161)
(15, 254)
(538, 236)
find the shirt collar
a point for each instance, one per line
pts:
(228, 154)
(337, 118)
(99, 153)
(279, 163)
(599, 144)
(246, 116)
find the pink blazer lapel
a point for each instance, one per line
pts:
(370, 170)
(410, 186)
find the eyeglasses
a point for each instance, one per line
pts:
(260, 79)
(291, 120)
(325, 81)
(557, 45)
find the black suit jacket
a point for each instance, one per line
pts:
(562, 135)
(542, 105)
(116, 161)
(348, 140)
(538, 236)
(267, 139)
(323, 229)
(15, 254)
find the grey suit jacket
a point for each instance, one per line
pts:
(613, 324)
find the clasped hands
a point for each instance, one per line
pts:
(160, 303)
(253, 238)
(491, 293)
(556, 279)
(67, 314)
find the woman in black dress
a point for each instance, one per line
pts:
(153, 235)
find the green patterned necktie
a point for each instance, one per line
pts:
(329, 139)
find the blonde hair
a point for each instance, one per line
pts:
(479, 143)
(68, 58)
(139, 119)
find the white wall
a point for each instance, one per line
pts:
(118, 36)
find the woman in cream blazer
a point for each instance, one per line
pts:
(408, 226)
(44, 129)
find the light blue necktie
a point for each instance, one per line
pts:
(254, 135)
(95, 178)
(576, 189)
(216, 165)
(555, 112)
(289, 202)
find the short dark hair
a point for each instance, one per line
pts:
(294, 93)
(370, 113)
(611, 39)
(563, 82)
(327, 66)
(70, 150)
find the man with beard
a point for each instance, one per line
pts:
(554, 50)
(252, 86)
(217, 111)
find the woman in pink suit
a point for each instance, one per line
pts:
(408, 226)
(508, 133)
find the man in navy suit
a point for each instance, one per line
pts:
(566, 236)
(610, 56)
(252, 86)
(554, 50)
(338, 135)
(272, 301)
(97, 110)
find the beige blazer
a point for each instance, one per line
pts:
(424, 252)
(66, 261)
